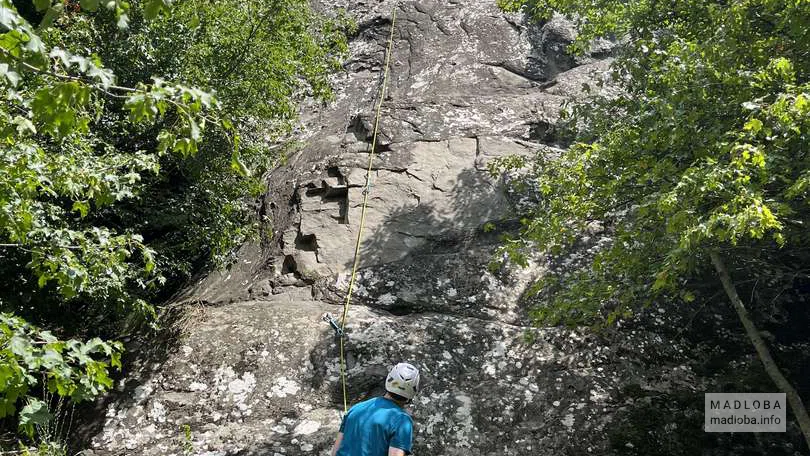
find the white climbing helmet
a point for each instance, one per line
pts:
(403, 380)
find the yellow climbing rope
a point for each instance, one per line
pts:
(363, 210)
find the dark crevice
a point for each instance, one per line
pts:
(312, 191)
(358, 128)
(295, 201)
(333, 185)
(343, 204)
(549, 134)
(306, 243)
(383, 148)
(515, 26)
(401, 309)
(372, 27)
(409, 174)
(289, 266)
(334, 194)
(334, 171)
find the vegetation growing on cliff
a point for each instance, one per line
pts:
(701, 162)
(134, 139)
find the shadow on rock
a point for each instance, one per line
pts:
(439, 250)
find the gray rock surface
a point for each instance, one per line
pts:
(262, 377)
(256, 370)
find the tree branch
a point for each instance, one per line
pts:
(761, 347)
(67, 77)
(23, 247)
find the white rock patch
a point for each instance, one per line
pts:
(197, 386)
(240, 388)
(464, 416)
(568, 421)
(283, 388)
(386, 299)
(307, 427)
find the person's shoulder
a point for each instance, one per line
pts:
(379, 401)
(403, 416)
(374, 402)
(361, 405)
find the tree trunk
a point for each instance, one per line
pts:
(762, 349)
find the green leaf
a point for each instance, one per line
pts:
(42, 5)
(59, 109)
(20, 346)
(102, 75)
(46, 336)
(35, 413)
(783, 65)
(10, 75)
(123, 22)
(152, 9)
(51, 358)
(8, 17)
(62, 55)
(35, 45)
(753, 125)
(115, 359)
(237, 164)
(82, 207)
(51, 15)
(802, 104)
(13, 78)
(195, 133)
(89, 5)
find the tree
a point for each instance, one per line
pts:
(53, 172)
(702, 159)
(124, 162)
(260, 58)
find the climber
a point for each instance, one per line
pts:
(380, 426)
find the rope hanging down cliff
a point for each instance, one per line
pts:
(366, 192)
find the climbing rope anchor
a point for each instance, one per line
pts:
(327, 317)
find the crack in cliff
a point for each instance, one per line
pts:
(515, 26)
(439, 25)
(516, 71)
(410, 174)
(414, 127)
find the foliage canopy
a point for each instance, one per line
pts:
(705, 149)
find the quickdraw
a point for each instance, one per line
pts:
(327, 317)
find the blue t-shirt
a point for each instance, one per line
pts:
(372, 426)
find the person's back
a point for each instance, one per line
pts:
(371, 427)
(380, 426)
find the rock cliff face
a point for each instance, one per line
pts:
(256, 369)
